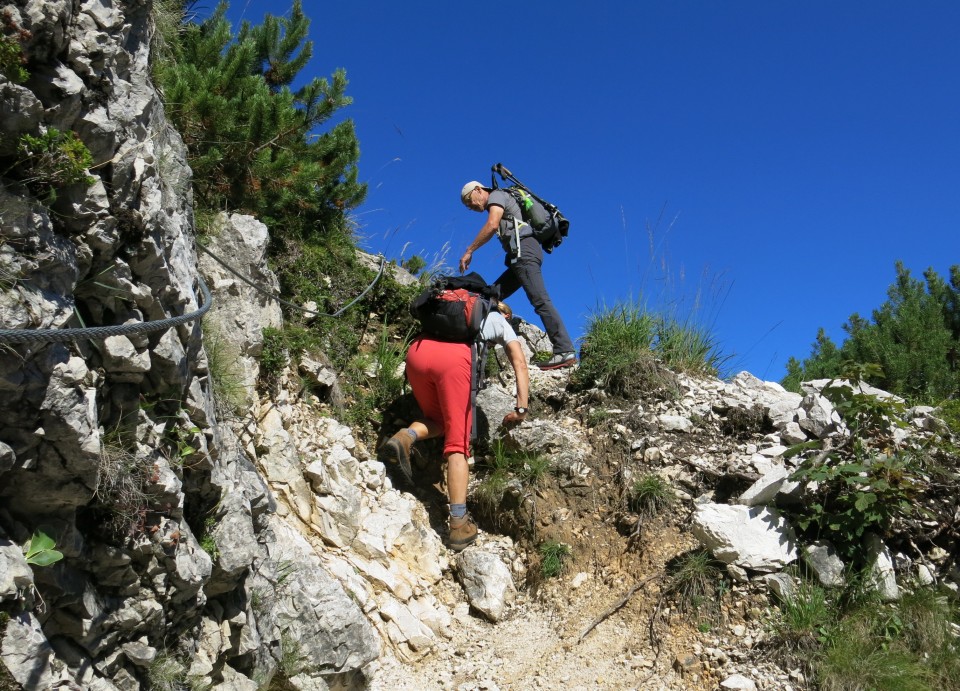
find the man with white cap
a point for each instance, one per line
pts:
(524, 259)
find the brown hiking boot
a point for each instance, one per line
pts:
(397, 450)
(463, 532)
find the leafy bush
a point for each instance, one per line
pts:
(859, 485)
(12, 59)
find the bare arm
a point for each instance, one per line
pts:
(519, 362)
(489, 229)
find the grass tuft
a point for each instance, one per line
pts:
(649, 495)
(554, 557)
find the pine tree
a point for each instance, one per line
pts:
(253, 140)
(914, 337)
(909, 339)
(825, 361)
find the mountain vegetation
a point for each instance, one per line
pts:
(260, 144)
(913, 337)
(264, 157)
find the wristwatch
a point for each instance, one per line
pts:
(520, 411)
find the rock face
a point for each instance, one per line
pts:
(174, 556)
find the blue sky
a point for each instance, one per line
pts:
(756, 166)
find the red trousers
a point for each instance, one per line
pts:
(439, 374)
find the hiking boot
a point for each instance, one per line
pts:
(559, 360)
(463, 532)
(397, 450)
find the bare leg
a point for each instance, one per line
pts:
(458, 475)
(426, 429)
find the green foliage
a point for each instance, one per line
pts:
(805, 618)
(12, 59)
(379, 372)
(52, 160)
(279, 345)
(649, 495)
(183, 442)
(825, 361)
(624, 343)
(892, 646)
(226, 376)
(693, 579)
(684, 346)
(597, 416)
(858, 485)
(415, 264)
(949, 412)
(553, 558)
(251, 138)
(291, 656)
(617, 348)
(273, 356)
(914, 336)
(506, 466)
(40, 550)
(168, 16)
(209, 545)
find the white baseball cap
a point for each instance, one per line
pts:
(470, 187)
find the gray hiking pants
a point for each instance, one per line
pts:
(526, 273)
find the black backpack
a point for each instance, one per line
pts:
(452, 309)
(549, 226)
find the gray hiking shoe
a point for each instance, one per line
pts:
(397, 450)
(463, 532)
(559, 360)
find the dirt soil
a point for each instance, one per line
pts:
(602, 624)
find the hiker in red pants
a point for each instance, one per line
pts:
(440, 373)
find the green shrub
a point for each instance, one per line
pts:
(53, 160)
(415, 264)
(861, 485)
(12, 60)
